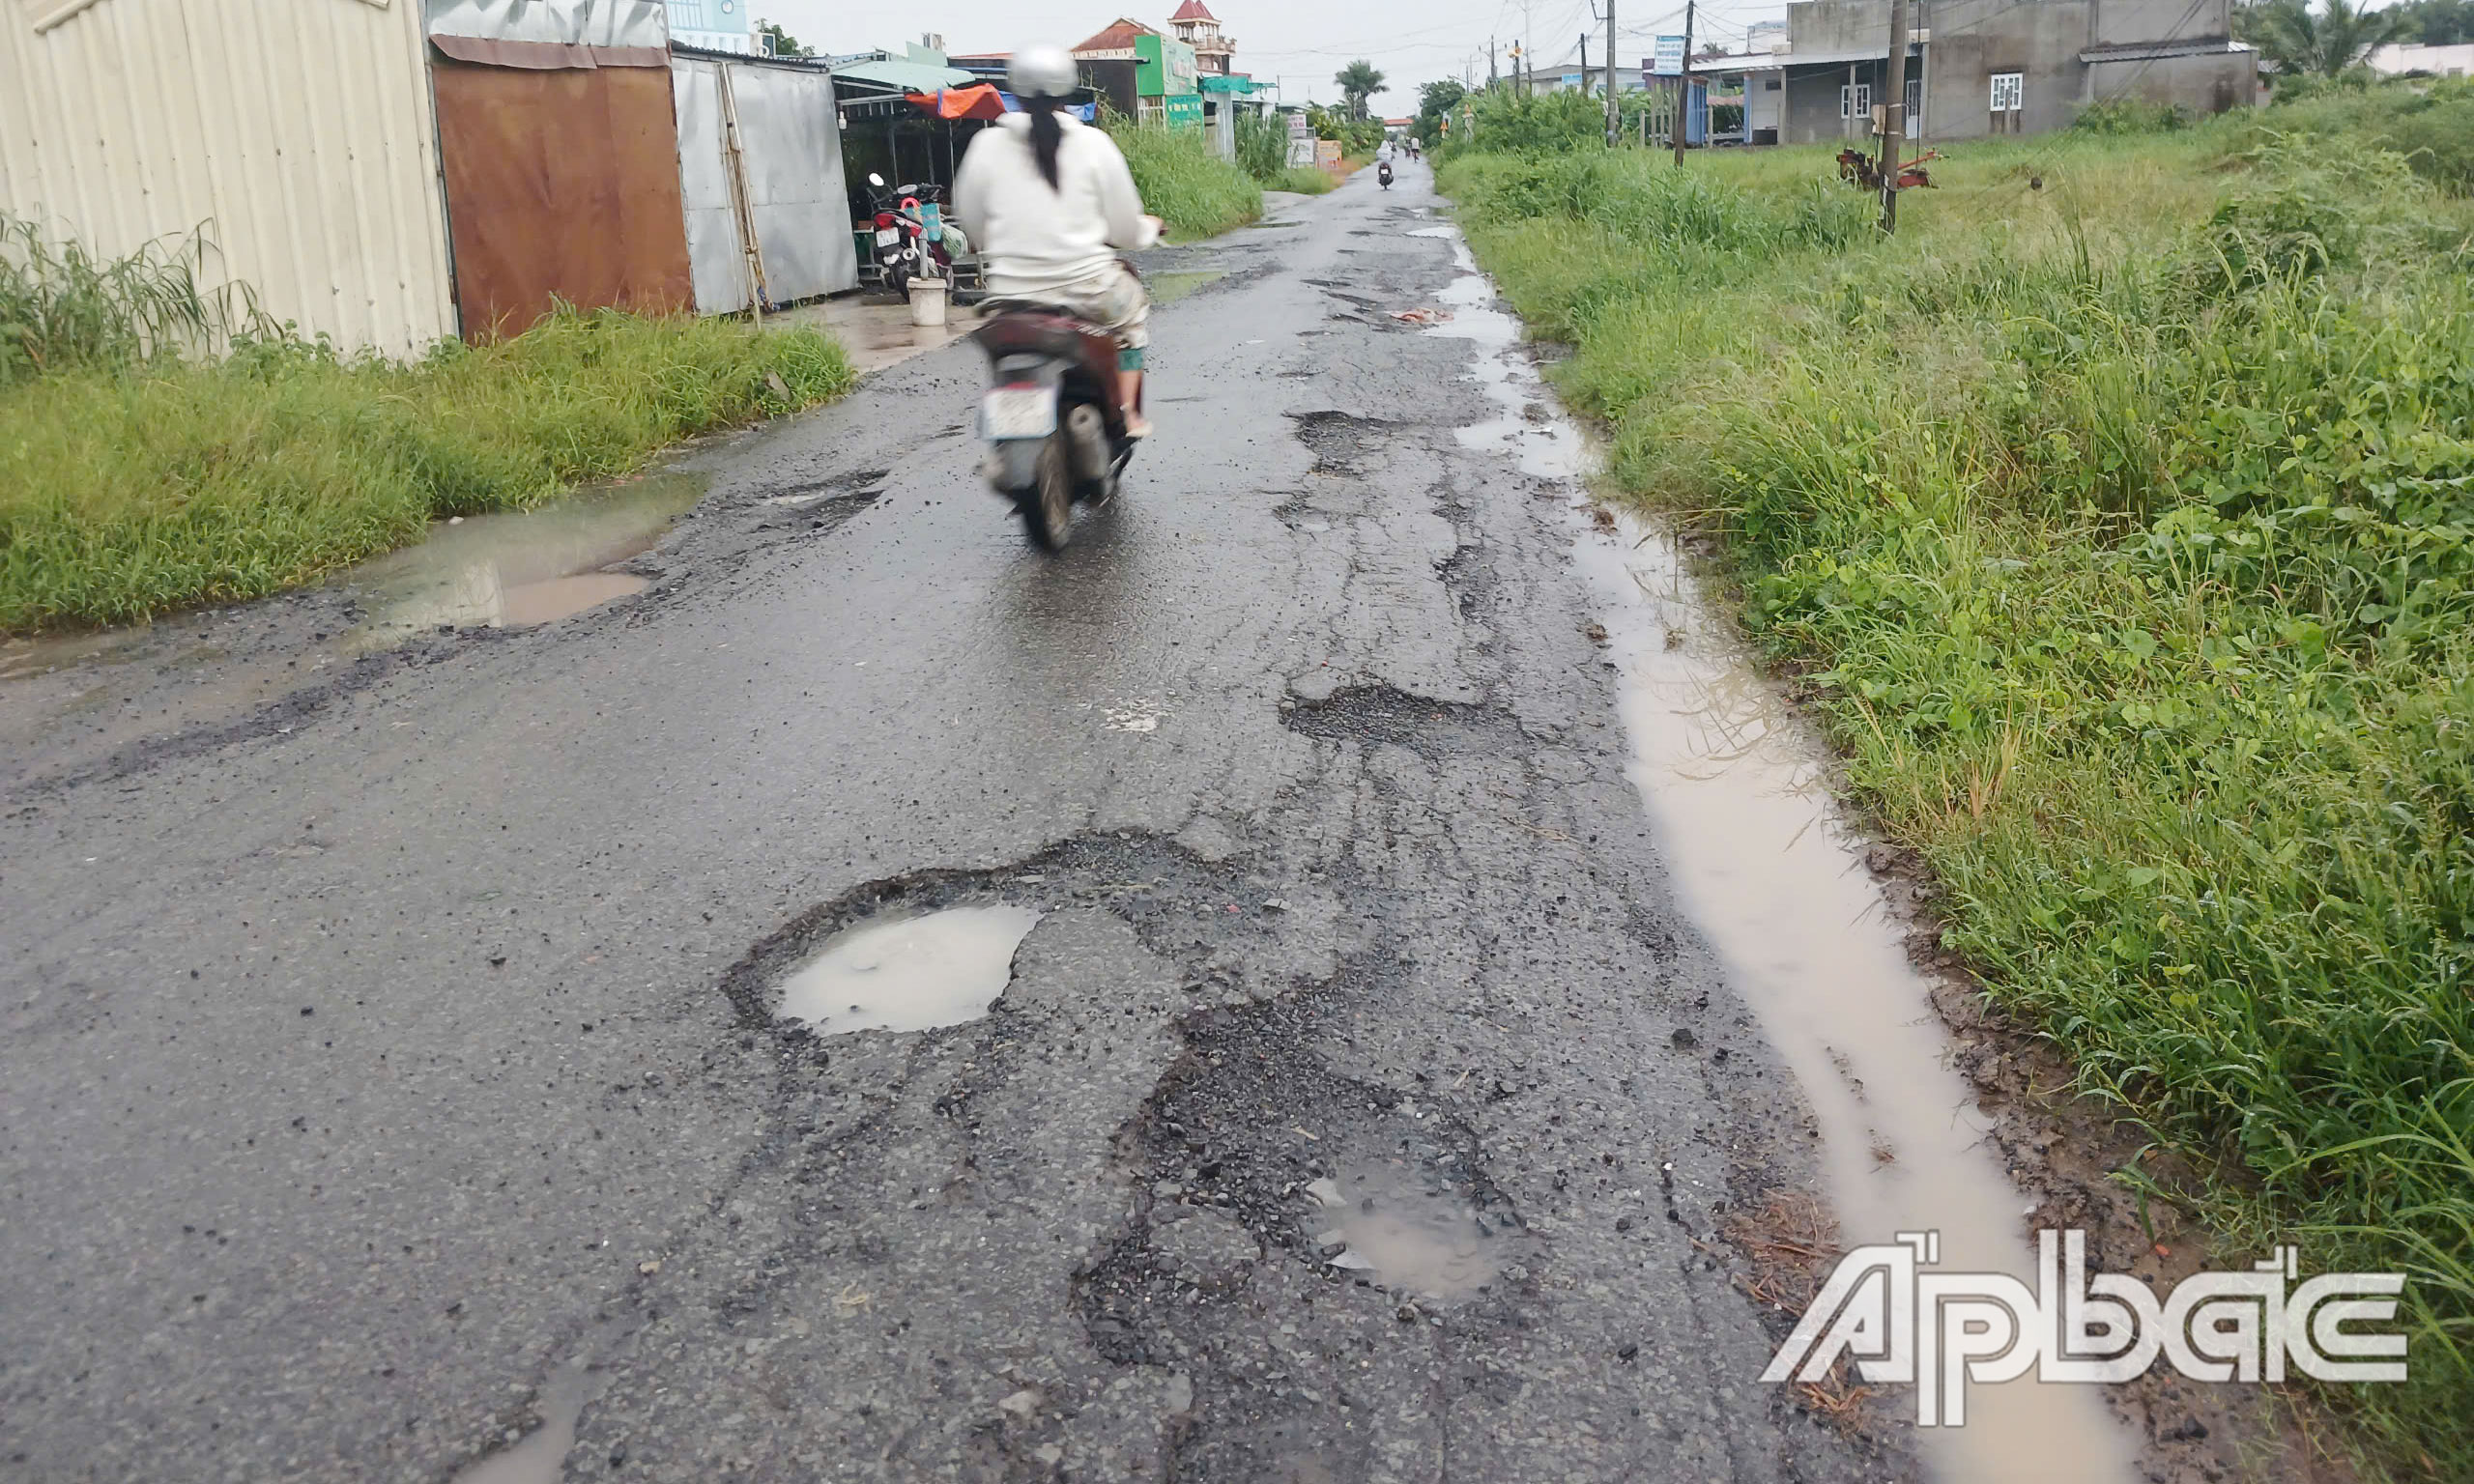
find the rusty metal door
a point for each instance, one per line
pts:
(562, 181)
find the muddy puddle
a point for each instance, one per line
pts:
(521, 568)
(1409, 1235)
(83, 695)
(1738, 791)
(909, 973)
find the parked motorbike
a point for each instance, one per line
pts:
(910, 239)
(1056, 437)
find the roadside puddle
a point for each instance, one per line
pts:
(521, 568)
(1738, 790)
(1399, 1231)
(909, 973)
(23, 655)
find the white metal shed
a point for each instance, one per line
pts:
(296, 136)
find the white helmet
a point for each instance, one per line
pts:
(1042, 71)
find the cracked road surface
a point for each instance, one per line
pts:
(392, 1074)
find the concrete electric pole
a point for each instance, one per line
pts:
(1894, 117)
(1684, 84)
(1613, 111)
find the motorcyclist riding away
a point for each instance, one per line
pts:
(1051, 202)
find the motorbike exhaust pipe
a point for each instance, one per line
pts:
(1087, 432)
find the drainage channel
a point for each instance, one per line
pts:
(1773, 876)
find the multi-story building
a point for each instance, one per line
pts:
(1198, 28)
(1142, 72)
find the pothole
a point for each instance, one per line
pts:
(1382, 713)
(540, 1456)
(1336, 439)
(1408, 1233)
(909, 972)
(520, 568)
(858, 483)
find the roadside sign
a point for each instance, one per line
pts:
(1668, 60)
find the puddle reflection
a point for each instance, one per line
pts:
(1411, 1235)
(910, 973)
(1738, 788)
(520, 568)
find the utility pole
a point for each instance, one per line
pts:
(1494, 75)
(1894, 117)
(1522, 82)
(1614, 112)
(1584, 64)
(1683, 83)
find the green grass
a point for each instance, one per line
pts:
(1302, 179)
(1184, 183)
(2120, 512)
(132, 484)
(2431, 124)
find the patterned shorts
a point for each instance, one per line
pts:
(1111, 298)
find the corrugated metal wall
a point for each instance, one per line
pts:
(296, 131)
(561, 183)
(792, 161)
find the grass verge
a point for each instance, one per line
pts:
(132, 487)
(1183, 183)
(2120, 514)
(1304, 181)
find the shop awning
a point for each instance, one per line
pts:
(981, 101)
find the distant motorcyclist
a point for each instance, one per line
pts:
(1051, 202)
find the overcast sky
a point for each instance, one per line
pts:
(1298, 43)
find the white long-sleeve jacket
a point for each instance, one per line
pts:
(1034, 239)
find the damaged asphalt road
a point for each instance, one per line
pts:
(383, 1085)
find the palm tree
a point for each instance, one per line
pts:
(2289, 35)
(1358, 81)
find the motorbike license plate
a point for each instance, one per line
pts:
(886, 236)
(1017, 411)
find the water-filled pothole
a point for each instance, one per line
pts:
(520, 568)
(1410, 1235)
(540, 1456)
(910, 973)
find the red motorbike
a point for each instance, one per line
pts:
(907, 247)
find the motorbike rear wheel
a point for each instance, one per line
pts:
(1046, 507)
